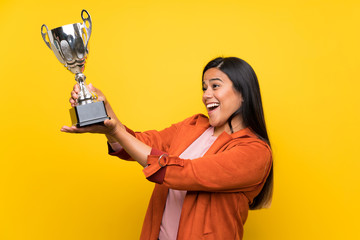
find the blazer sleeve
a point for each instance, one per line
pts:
(156, 139)
(242, 168)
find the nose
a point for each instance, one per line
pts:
(207, 94)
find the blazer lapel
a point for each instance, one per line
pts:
(187, 135)
(224, 138)
(219, 143)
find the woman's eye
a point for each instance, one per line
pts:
(215, 85)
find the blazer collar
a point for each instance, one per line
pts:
(224, 138)
(203, 121)
(196, 128)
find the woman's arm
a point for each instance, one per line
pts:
(113, 129)
(244, 167)
(101, 97)
(137, 145)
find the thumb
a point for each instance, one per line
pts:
(91, 87)
(110, 123)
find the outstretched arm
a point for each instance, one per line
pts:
(114, 130)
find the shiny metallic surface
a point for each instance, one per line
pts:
(69, 43)
(85, 96)
(44, 34)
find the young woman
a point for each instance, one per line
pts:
(209, 171)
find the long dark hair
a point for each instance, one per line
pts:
(245, 81)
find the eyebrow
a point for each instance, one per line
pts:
(214, 79)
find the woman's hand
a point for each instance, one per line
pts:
(113, 129)
(76, 90)
(110, 127)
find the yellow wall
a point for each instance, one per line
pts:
(147, 56)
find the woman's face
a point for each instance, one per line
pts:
(221, 99)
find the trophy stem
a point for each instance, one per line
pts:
(85, 96)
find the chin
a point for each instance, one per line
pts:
(215, 123)
(212, 122)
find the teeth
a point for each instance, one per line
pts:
(211, 105)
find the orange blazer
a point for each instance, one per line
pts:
(220, 185)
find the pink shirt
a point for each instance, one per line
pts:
(171, 217)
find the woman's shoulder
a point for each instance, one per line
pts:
(248, 137)
(196, 120)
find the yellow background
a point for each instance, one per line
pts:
(147, 56)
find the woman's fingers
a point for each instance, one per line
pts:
(73, 99)
(110, 126)
(98, 93)
(96, 128)
(91, 87)
(76, 88)
(74, 95)
(72, 102)
(74, 129)
(71, 129)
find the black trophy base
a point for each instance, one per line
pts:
(87, 114)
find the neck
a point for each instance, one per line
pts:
(236, 123)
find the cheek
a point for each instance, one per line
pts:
(224, 98)
(233, 102)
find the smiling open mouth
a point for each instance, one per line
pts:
(212, 106)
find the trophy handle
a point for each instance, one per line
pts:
(44, 35)
(88, 29)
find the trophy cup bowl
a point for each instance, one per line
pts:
(69, 43)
